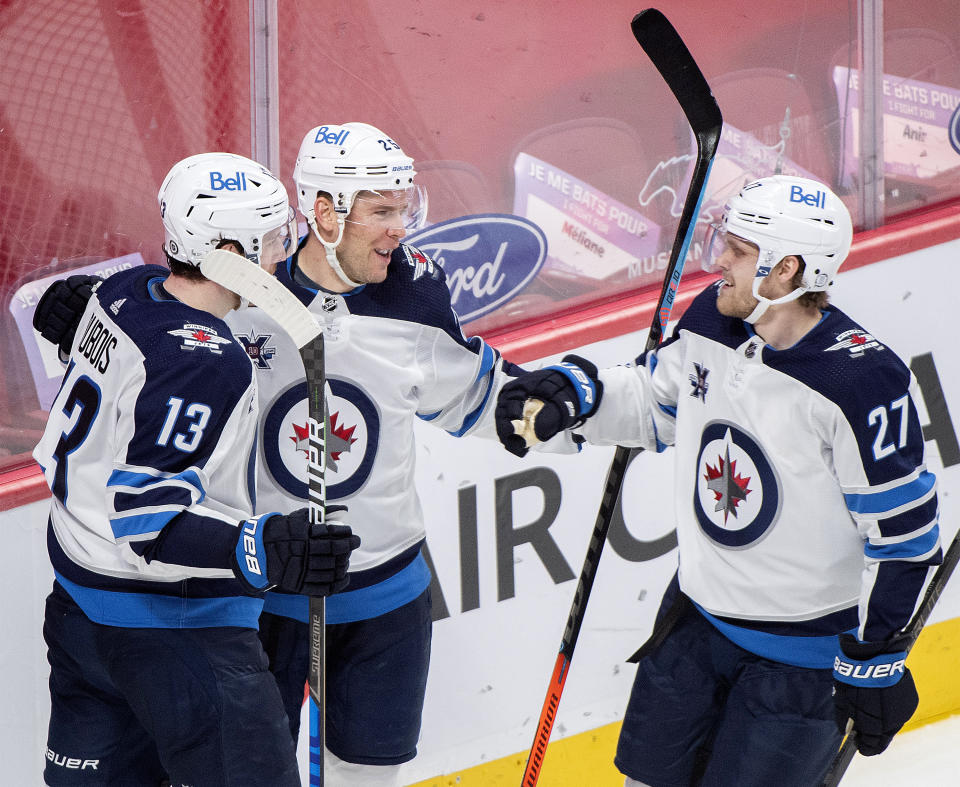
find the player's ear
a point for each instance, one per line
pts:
(790, 266)
(326, 215)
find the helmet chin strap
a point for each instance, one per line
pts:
(765, 303)
(331, 250)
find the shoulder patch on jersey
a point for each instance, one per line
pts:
(257, 348)
(195, 336)
(856, 341)
(698, 379)
(422, 265)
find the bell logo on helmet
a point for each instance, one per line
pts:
(328, 137)
(219, 183)
(816, 200)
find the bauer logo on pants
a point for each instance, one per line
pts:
(737, 496)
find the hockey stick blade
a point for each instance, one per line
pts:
(848, 748)
(667, 51)
(673, 60)
(253, 283)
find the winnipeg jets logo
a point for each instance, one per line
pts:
(200, 337)
(728, 487)
(857, 342)
(699, 382)
(338, 439)
(257, 349)
(738, 494)
(421, 263)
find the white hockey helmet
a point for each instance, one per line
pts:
(786, 215)
(344, 160)
(212, 197)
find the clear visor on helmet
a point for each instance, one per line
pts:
(717, 241)
(395, 209)
(277, 244)
(714, 245)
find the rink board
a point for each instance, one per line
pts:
(502, 597)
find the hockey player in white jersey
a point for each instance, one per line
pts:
(806, 518)
(156, 668)
(394, 353)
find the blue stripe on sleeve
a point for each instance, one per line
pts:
(472, 417)
(487, 359)
(668, 410)
(139, 480)
(140, 524)
(878, 502)
(904, 550)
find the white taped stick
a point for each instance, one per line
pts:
(252, 282)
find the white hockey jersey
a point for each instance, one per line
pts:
(149, 452)
(802, 502)
(394, 351)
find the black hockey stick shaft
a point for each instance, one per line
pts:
(312, 355)
(673, 60)
(848, 748)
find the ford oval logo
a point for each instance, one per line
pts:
(488, 258)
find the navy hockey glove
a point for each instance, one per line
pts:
(874, 688)
(60, 308)
(569, 391)
(285, 551)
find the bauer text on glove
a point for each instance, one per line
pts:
(285, 551)
(874, 688)
(538, 405)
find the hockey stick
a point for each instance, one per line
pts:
(848, 748)
(267, 293)
(673, 60)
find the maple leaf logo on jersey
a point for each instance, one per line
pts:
(338, 439)
(200, 336)
(729, 489)
(256, 347)
(699, 382)
(857, 341)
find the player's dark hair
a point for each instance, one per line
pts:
(192, 272)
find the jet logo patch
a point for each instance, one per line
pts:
(200, 337)
(856, 342)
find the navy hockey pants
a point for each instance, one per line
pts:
(704, 711)
(376, 678)
(133, 706)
